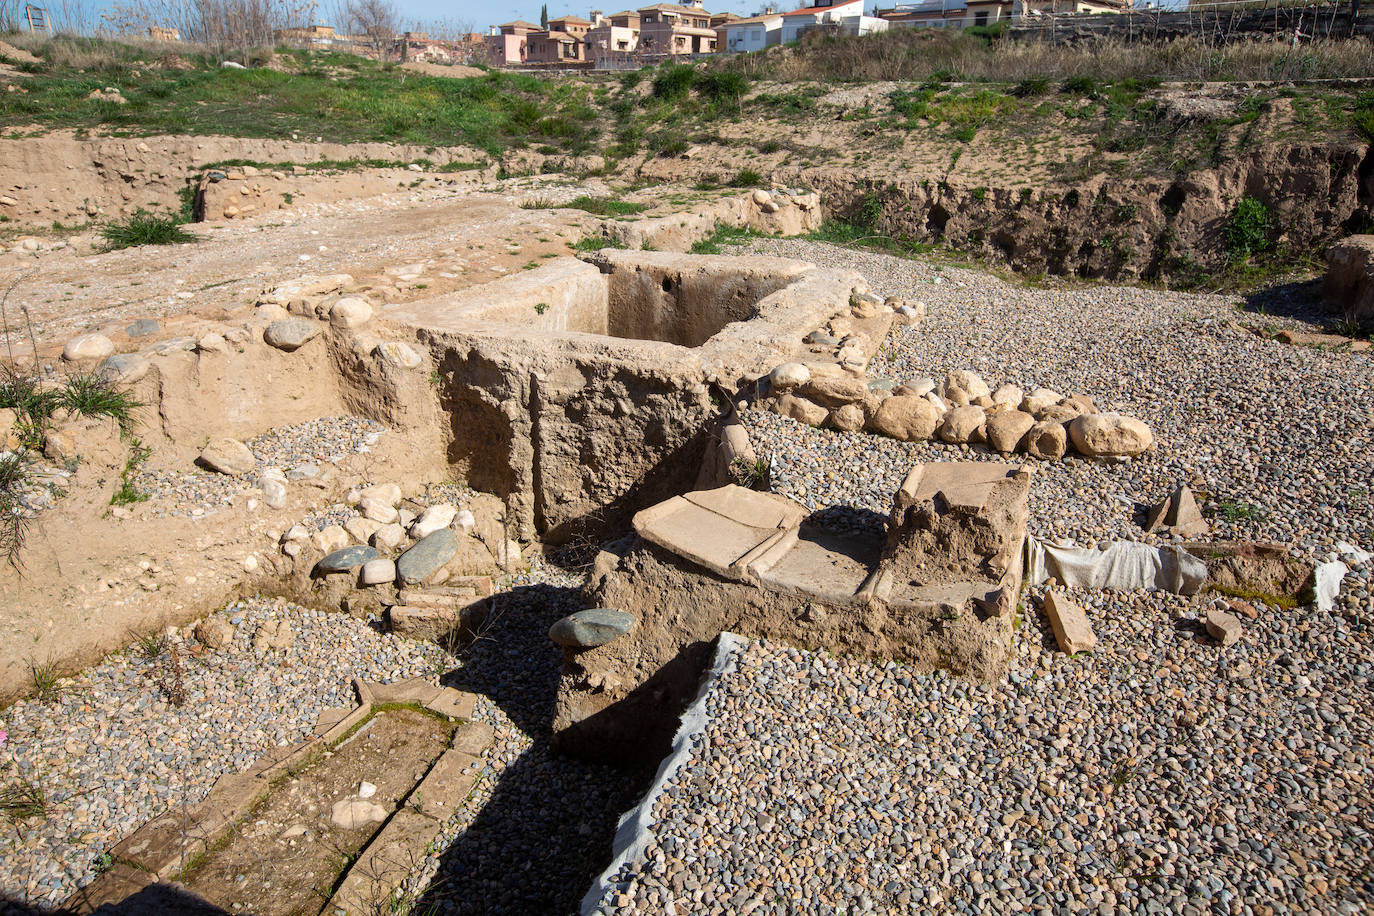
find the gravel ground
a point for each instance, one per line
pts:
(1160, 773)
(538, 827)
(298, 450)
(110, 752)
(1275, 439)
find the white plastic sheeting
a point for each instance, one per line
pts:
(1123, 565)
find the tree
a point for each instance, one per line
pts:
(544, 16)
(375, 20)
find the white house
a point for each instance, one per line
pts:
(752, 34)
(843, 16)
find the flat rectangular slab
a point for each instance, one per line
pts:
(829, 567)
(965, 483)
(718, 528)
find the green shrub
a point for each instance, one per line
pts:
(747, 178)
(1247, 229)
(1079, 85)
(722, 86)
(604, 206)
(92, 395)
(144, 228)
(673, 81)
(1031, 87)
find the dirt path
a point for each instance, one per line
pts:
(460, 236)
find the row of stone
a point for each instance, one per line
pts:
(960, 409)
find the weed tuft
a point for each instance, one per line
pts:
(145, 228)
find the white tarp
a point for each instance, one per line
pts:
(1123, 565)
(1326, 581)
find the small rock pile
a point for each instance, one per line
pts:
(960, 409)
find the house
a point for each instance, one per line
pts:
(1034, 9)
(931, 14)
(552, 47)
(987, 12)
(668, 30)
(752, 34)
(613, 40)
(570, 25)
(506, 43)
(842, 17)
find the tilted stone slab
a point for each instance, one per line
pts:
(447, 784)
(1071, 628)
(719, 528)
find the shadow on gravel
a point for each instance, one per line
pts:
(546, 831)
(1299, 300)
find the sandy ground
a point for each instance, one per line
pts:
(461, 235)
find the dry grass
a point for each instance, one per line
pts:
(918, 54)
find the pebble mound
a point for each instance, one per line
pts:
(111, 752)
(325, 440)
(1159, 774)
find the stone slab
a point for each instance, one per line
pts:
(828, 567)
(456, 704)
(1071, 627)
(394, 854)
(411, 690)
(113, 887)
(965, 483)
(718, 528)
(447, 784)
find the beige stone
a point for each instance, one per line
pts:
(228, 456)
(1072, 630)
(963, 425)
(788, 375)
(801, 410)
(1109, 434)
(330, 539)
(848, 419)
(87, 346)
(835, 392)
(1223, 627)
(350, 312)
(908, 419)
(969, 382)
(1047, 440)
(1006, 429)
(1008, 396)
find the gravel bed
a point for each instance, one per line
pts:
(110, 752)
(1160, 774)
(298, 450)
(1275, 439)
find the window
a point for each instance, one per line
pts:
(980, 18)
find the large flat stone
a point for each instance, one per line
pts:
(421, 561)
(718, 528)
(591, 628)
(346, 559)
(396, 853)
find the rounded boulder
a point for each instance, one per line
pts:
(1005, 430)
(905, 418)
(1102, 435)
(591, 628)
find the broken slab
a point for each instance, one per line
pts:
(935, 587)
(1349, 279)
(1071, 628)
(1223, 627)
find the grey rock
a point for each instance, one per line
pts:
(143, 327)
(421, 561)
(346, 559)
(124, 368)
(590, 628)
(290, 333)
